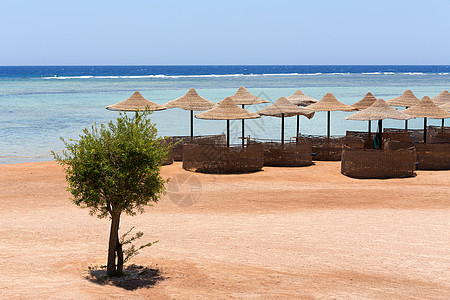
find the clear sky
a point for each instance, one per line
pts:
(139, 32)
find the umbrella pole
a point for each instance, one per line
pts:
(228, 133)
(328, 125)
(443, 124)
(192, 124)
(282, 128)
(406, 123)
(298, 126)
(380, 131)
(243, 128)
(424, 130)
(370, 125)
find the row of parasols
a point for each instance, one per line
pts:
(298, 104)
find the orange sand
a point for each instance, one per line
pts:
(280, 233)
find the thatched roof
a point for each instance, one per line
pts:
(380, 110)
(283, 106)
(134, 103)
(299, 98)
(427, 109)
(407, 99)
(190, 101)
(446, 106)
(244, 97)
(442, 98)
(227, 110)
(365, 102)
(329, 103)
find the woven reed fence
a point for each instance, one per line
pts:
(376, 163)
(289, 154)
(179, 141)
(433, 156)
(324, 148)
(169, 159)
(220, 159)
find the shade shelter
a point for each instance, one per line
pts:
(407, 99)
(364, 103)
(134, 103)
(425, 109)
(300, 99)
(385, 162)
(244, 97)
(284, 108)
(227, 110)
(443, 99)
(329, 103)
(379, 111)
(191, 101)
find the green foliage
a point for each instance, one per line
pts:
(132, 250)
(116, 167)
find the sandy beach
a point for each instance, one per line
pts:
(307, 233)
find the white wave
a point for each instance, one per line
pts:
(413, 73)
(443, 73)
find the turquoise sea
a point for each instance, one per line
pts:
(38, 105)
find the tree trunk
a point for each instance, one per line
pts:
(113, 242)
(119, 259)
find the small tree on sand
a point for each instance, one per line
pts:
(115, 168)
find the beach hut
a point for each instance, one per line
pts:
(383, 162)
(191, 101)
(427, 109)
(244, 97)
(227, 110)
(215, 158)
(300, 99)
(364, 103)
(134, 103)
(329, 103)
(283, 108)
(296, 154)
(407, 99)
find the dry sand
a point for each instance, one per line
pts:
(280, 233)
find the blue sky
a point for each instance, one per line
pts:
(138, 32)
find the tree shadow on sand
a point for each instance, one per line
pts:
(135, 277)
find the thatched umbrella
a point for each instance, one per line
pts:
(300, 99)
(227, 110)
(244, 97)
(380, 110)
(407, 99)
(191, 101)
(134, 103)
(364, 103)
(427, 109)
(329, 103)
(283, 108)
(442, 99)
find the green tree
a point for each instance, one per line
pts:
(115, 168)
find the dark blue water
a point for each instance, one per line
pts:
(48, 71)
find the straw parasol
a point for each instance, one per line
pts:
(329, 103)
(446, 106)
(442, 98)
(407, 99)
(190, 101)
(227, 110)
(284, 108)
(300, 99)
(427, 109)
(380, 110)
(364, 103)
(244, 97)
(134, 103)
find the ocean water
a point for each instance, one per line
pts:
(38, 105)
